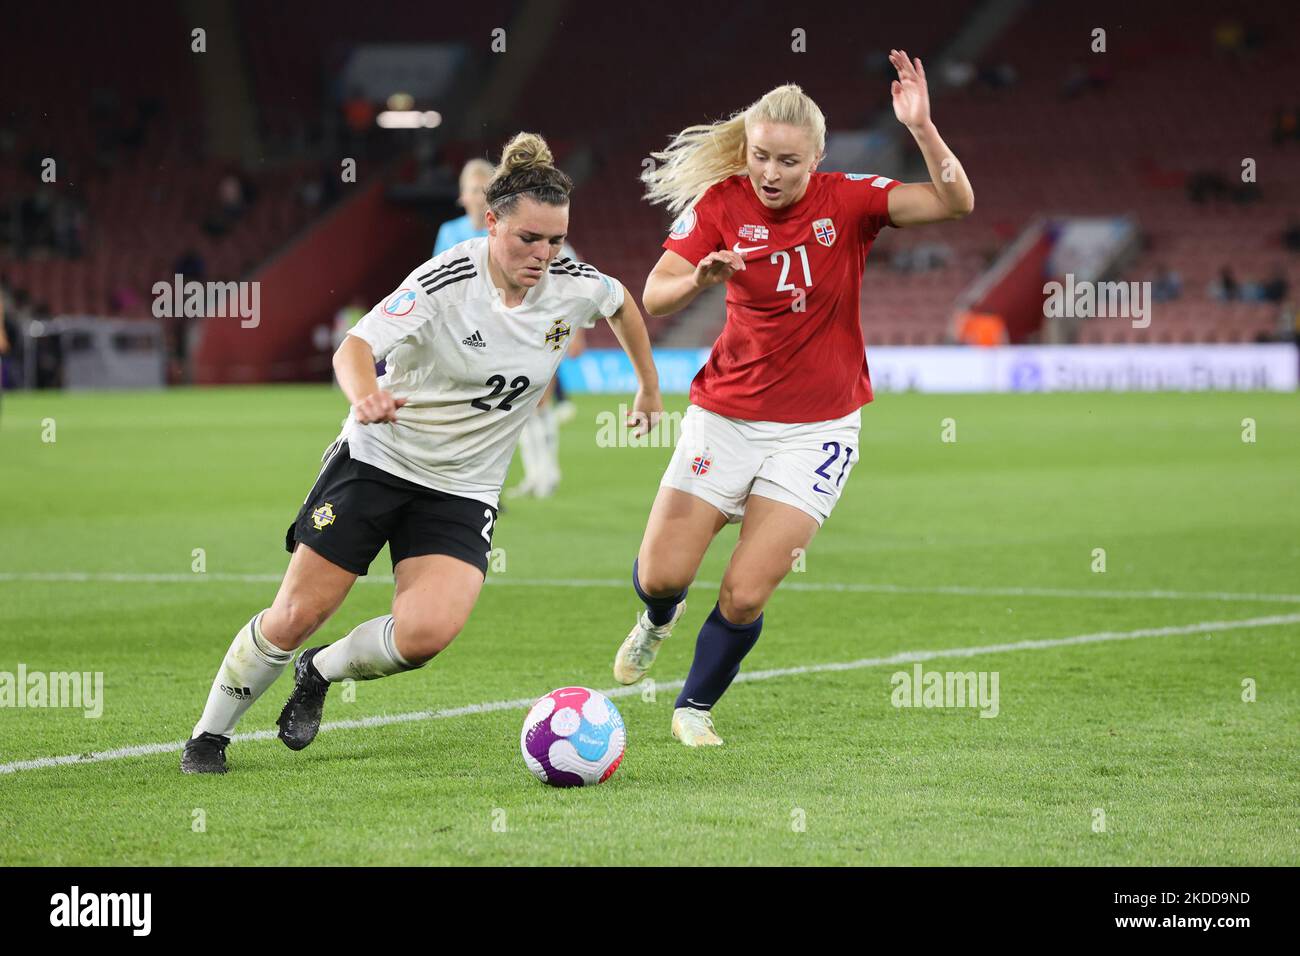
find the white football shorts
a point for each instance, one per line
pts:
(725, 460)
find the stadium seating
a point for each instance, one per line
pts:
(292, 80)
(144, 206)
(641, 94)
(1127, 148)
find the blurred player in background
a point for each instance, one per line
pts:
(346, 319)
(539, 442)
(470, 341)
(474, 178)
(772, 430)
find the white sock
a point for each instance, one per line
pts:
(551, 429)
(368, 652)
(251, 666)
(532, 448)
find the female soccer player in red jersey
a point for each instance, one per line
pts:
(772, 430)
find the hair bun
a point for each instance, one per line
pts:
(527, 167)
(525, 151)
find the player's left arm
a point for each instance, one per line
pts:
(948, 195)
(629, 328)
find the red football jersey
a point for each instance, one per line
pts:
(792, 348)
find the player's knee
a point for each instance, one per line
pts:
(291, 621)
(661, 580)
(420, 641)
(741, 603)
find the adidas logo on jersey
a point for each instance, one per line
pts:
(475, 341)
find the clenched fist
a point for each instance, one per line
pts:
(378, 406)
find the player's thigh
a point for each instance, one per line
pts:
(772, 537)
(811, 465)
(311, 591)
(703, 488)
(434, 597)
(339, 529)
(678, 533)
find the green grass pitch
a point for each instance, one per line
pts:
(990, 541)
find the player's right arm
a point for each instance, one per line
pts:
(395, 320)
(674, 283)
(354, 365)
(695, 257)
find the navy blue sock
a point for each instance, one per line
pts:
(660, 609)
(719, 650)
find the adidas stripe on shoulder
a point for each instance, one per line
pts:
(572, 267)
(457, 270)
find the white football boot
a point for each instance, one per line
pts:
(565, 411)
(694, 728)
(526, 488)
(637, 653)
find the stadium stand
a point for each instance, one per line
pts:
(137, 222)
(1128, 142)
(1043, 125)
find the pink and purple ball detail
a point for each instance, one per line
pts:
(567, 721)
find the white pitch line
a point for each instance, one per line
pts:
(788, 585)
(523, 703)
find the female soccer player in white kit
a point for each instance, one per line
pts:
(470, 340)
(772, 430)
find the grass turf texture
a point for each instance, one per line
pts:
(1153, 731)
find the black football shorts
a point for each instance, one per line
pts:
(354, 509)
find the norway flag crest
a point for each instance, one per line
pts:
(824, 231)
(700, 464)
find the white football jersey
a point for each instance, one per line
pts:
(471, 369)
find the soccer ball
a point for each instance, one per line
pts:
(573, 737)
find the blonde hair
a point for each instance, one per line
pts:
(527, 167)
(702, 155)
(476, 167)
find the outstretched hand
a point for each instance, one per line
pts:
(717, 267)
(910, 92)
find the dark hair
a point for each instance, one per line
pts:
(527, 168)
